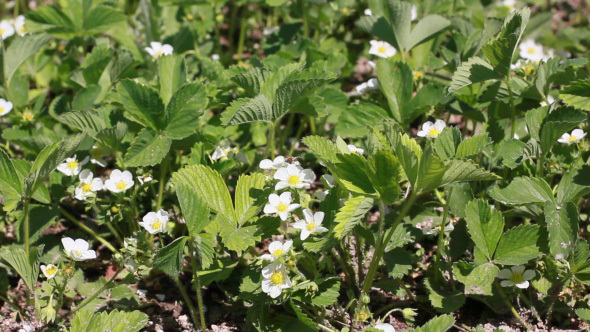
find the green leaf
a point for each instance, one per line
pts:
(239, 239)
(472, 146)
(355, 119)
(409, 154)
(474, 70)
(383, 171)
(511, 151)
(583, 314)
(350, 171)
(205, 247)
(399, 262)
(252, 80)
(430, 172)
(559, 121)
(396, 83)
(115, 321)
(8, 176)
(485, 226)
(51, 15)
(245, 110)
(88, 121)
(459, 170)
(249, 197)
(112, 137)
(299, 86)
(428, 27)
(147, 149)
(380, 28)
(534, 120)
(20, 50)
(351, 214)
(523, 190)
(447, 142)
(172, 74)
(194, 209)
(142, 104)
(500, 50)
(26, 267)
(569, 190)
(210, 187)
(101, 18)
(442, 298)
(518, 245)
(562, 226)
(278, 77)
(323, 148)
(169, 259)
(184, 109)
(577, 94)
(437, 324)
(48, 160)
(580, 266)
(478, 280)
(327, 293)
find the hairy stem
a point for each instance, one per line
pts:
(441, 234)
(512, 109)
(95, 295)
(163, 171)
(27, 227)
(509, 304)
(187, 300)
(197, 286)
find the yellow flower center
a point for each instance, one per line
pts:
(72, 164)
(77, 253)
(22, 29)
(156, 225)
(282, 207)
(276, 278)
(528, 69)
(190, 17)
(159, 53)
(1, 110)
(516, 278)
(121, 185)
(86, 187)
(433, 132)
(2, 31)
(293, 180)
(51, 270)
(572, 138)
(278, 252)
(381, 49)
(532, 50)
(27, 116)
(418, 75)
(311, 226)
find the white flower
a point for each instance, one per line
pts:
(49, 270)
(311, 225)
(72, 166)
(576, 135)
(119, 181)
(370, 85)
(88, 185)
(6, 29)
(330, 180)
(385, 327)
(277, 163)
(382, 49)
(155, 222)
(275, 279)
(516, 276)
(144, 178)
(354, 149)
(78, 249)
(19, 25)
(321, 195)
(368, 12)
(293, 176)
(215, 57)
(430, 129)
(550, 99)
(280, 205)
(97, 156)
(548, 54)
(5, 107)
(530, 50)
(414, 14)
(507, 3)
(158, 49)
(267, 31)
(224, 152)
(277, 249)
(129, 241)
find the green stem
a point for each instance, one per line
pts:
(443, 224)
(297, 138)
(95, 295)
(509, 304)
(512, 109)
(540, 162)
(188, 301)
(14, 306)
(270, 143)
(286, 132)
(305, 19)
(382, 243)
(243, 22)
(197, 286)
(163, 171)
(27, 227)
(87, 229)
(530, 305)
